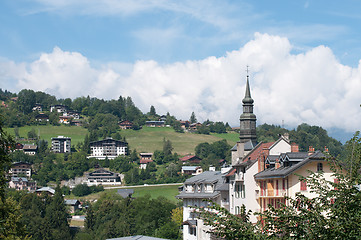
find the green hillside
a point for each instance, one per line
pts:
(145, 140)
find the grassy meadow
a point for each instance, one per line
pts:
(147, 139)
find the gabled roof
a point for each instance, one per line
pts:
(20, 163)
(18, 179)
(71, 202)
(255, 153)
(144, 161)
(190, 168)
(46, 189)
(282, 172)
(30, 147)
(188, 157)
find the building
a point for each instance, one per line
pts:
(22, 183)
(191, 170)
(72, 204)
(145, 159)
(190, 159)
(30, 149)
(61, 144)
(20, 169)
(42, 117)
(126, 124)
(155, 123)
(209, 185)
(108, 148)
(65, 119)
(58, 108)
(38, 107)
(102, 177)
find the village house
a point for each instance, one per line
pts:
(38, 107)
(30, 149)
(20, 169)
(72, 205)
(61, 144)
(155, 123)
(108, 148)
(58, 108)
(22, 183)
(102, 177)
(45, 190)
(42, 117)
(126, 124)
(145, 159)
(191, 170)
(190, 159)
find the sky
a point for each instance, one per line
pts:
(192, 55)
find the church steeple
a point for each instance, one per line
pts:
(248, 119)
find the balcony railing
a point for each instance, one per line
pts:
(271, 193)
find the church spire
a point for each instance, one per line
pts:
(248, 119)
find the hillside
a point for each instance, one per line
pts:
(145, 140)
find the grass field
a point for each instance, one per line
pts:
(147, 139)
(167, 191)
(46, 132)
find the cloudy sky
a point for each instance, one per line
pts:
(184, 56)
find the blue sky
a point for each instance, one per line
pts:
(184, 56)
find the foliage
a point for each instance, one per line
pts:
(83, 190)
(193, 118)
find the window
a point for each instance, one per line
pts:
(237, 210)
(237, 191)
(319, 167)
(303, 186)
(243, 191)
(276, 187)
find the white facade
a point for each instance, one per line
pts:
(61, 144)
(108, 148)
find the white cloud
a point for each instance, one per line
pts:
(312, 86)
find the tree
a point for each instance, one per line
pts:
(81, 190)
(152, 111)
(167, 147)
(57, 216)
(32, 134)
(193, 118)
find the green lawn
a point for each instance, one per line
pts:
(147, 139)
(46, 132)
(166, 191)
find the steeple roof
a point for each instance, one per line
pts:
(247, 98)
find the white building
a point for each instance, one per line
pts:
(20, 169)
(61, 144)
(207, 185)
(108, 148)
(102, 177)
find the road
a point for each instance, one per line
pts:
(145, 185)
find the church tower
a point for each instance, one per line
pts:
(248, 119)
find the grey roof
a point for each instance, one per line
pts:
(272, 158)
(138, 237)
(296, 155)
(192, 223)
(234, 148)
(249, 145)
(282, 172)
(190, 168)
(125, 192)
(213, 177)
(71, 202)
(223, 187)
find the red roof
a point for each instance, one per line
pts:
(142, 161)
(186, 158)
(231, 173)
(255, 153)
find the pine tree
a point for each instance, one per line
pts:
(193, 118)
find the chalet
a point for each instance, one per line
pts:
(76, 122)
(22, 183)
(185, 124)
(190, 159)
(58, 108)
(45, 190)
(65, 119)
(42, 117)
(38, 107)
(155, 123)
(61, 144)
(126, 124)
(20, 169)
(72, 114)
(191, 170)
(19, 146)
(145, 159)
(102, 177)
(72, 204)
(108, 148)
(30, 149)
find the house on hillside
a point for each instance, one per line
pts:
(20, 169)
(45, 190)
(30, 149)
(155, 123)
(145, 159)
(42, 117)
(102, 177)
(126, 124)
(58, 108)
(38, 107)
(22, 183)
(190, 159)
(108, 148)
(72, 205)
(61, 144)
(191, 170)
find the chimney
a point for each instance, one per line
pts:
(294, 147)
(277, 165)
(310, 150)
(326, 149)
